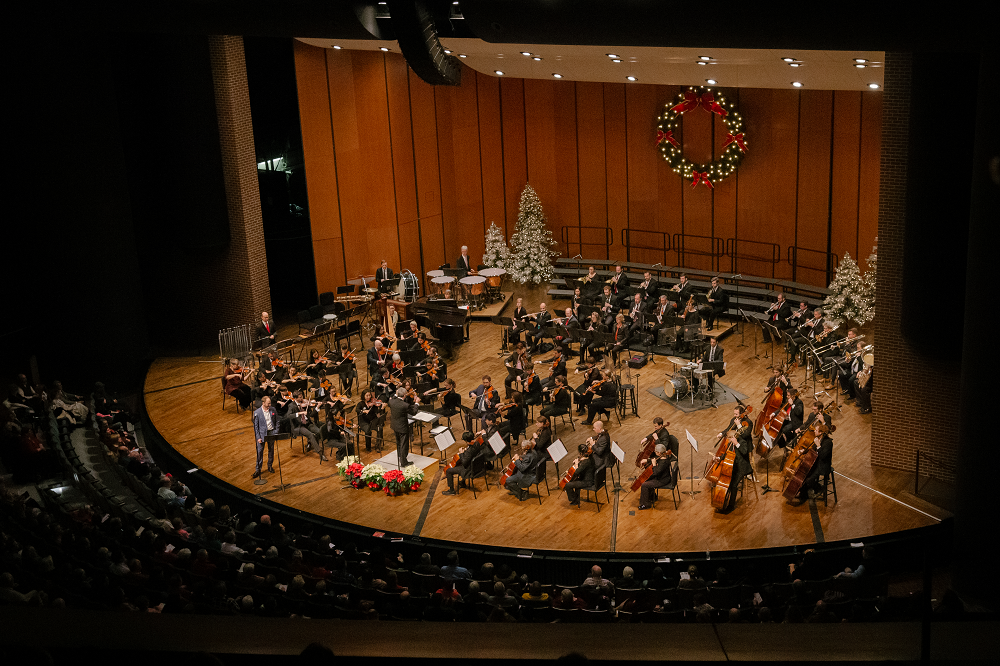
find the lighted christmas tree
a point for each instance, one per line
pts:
(497, 252)
(849, 299)
(869, 278)
(530, 256)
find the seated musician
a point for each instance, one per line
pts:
(485, 399)
(777, 315)
(273, 367)
(266, 330)
(557, 368)
(559, 399)
(584, 476)
(592, 283)
(806, 332)
(451, 401)
(316, 363)
(300, 419)
(431, 371)
(382, 385)
(834, 355)
(619, 337)
(848, 367)
(396, 366)
(594, 325)
(383, 276)
(682, 291)
(381, 335)
(411, 331)
(525, 463)
(691, 320)
(344, 366)
(378, 357)
(578, 300)
(283, 401)
(337, 434)
(541, 321)
(516, 365)
(600, 444)
(648, 288)
(660, 435)
(738, 423)
(371, 417)
(261, 386)
(619, 286)
(815, 414)
(714, 354)
(794, 420)
(542, 434)
(823, 444)
(608, 306)
(517, 322)
(515, 418)
(234, 386)
(661, 477)
(466, 455)
(582, 393)
(742, 445)
(636, 313)
(532, 387)
(322, 386)
(663, 309)
(781, 379)
(571, 324)
(718, 303)
(606, 398)
(800, 316)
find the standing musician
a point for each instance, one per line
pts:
(516, 364)
(718, 303)
(233, 376)
(399, 411)
(265, 330)
(485, 400)
(583, 393)
(517, 324)
(605, 399)
(382, 276)
(265, 424)
(619, 285)
(741, 467)
(559, 399)
(525, 463)
(463, 263)
(683, 290)
(344, 365)
(823, 444)
(661, 477)
(541, 319)
(371, 417)
(584, 476)
(466, 455)
(777, 316)
(620, 336)
(794, 420)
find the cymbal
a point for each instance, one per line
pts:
(677, 361)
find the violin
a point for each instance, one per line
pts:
(596, 385)
(326, 385)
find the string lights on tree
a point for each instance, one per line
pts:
(734, 144)
(530, 257)
(497, 253)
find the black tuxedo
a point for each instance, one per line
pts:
(399, 410)
(718, 305)
(683, 294)
(266, 332)
(584, 478)
(383, 275)
(778, 317)
(463, 263)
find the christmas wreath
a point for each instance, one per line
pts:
(733, 147)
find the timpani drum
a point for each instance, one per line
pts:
(494, 276)
(442, 282)
(675, 387)
(474, 284)
(434, 274)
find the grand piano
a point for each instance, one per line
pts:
(447, 322)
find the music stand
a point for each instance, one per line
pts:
(772, 333)
(278, 436)
(767, 461)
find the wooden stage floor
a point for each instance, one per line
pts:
(184, 402)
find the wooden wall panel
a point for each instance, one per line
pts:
(491, 150)
(591, 166)
(399, 169)
(846, 153)
(515, 159)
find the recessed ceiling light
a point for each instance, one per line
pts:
(797, 84)
(795, 64)
(860, 60)
(526, 53)
(617, 60)
(498, 72)
(611, 55)
(631, 78)
(788, 59)
(383, 48)
(536, 58)
(702, 62)
(874, 86)
(337, 47)
(448, 51)
(462, 55)
(558, 76)
(704, 58)
(711, 81)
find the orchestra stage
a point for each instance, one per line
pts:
(183, 399)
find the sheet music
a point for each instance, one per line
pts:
(556, 450)
(617, 450)
(426, 417)
(496, 443)
(444, 439)
(691, 439)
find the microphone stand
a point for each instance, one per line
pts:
(736, 278)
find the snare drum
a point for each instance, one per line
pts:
(675, 387)
(474, 284)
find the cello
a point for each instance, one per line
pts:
(647, 451)
(725, 472)
(512, 465)
(714, 467)
(568, 476)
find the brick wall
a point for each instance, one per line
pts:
(915, 402)
(241, 289)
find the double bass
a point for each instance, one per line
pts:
(802, 458)
(720, 472)
(773, 401)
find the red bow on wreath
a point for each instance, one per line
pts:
(737, 139)
(692, 101)
(701, 177)
(668, 135)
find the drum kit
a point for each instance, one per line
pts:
(687, 380)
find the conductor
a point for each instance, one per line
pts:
(399, 410)
(265, 425)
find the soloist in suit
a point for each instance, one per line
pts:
(261, 433)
